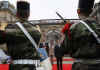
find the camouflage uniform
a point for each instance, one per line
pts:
(83, 46)
(19, 46)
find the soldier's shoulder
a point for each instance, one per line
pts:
(74, 24)
(77, 27)
(11, 28)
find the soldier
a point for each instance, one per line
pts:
(83, 46)
(21, 50)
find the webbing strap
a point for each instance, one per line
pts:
(91, 30)
(27, 35)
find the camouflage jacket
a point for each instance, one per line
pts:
(19, 46)
(82, 43)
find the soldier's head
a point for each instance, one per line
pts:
(23, 10)
(85, 8)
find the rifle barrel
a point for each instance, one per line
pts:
(61, 17)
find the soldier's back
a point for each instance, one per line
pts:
(83, 43)
(19, 46)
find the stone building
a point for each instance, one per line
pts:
(7, 14)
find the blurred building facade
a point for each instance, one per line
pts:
(7, 14)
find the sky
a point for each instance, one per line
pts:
(46, 9)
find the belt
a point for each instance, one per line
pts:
(26, 61)
(84, 61)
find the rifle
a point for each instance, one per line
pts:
(61, 17)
